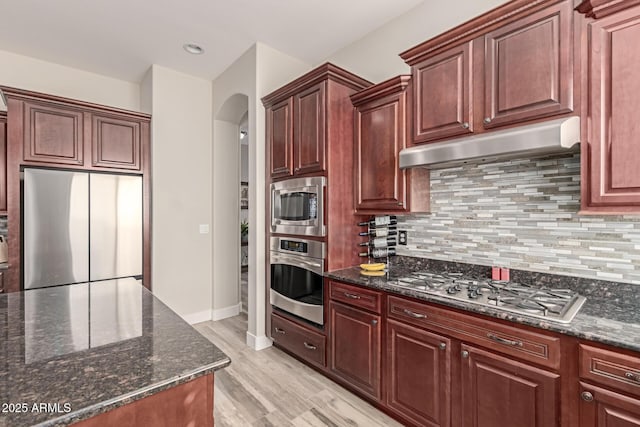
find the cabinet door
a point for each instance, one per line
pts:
(355, 348)
(529, 67)
(600, 407)
(3, 163)
(419, 373)
(280, 138)
(499, 391)
(309, 130)
(380, 135)
(115, 142)
(53, 134)
(613, 152)
(443, 95)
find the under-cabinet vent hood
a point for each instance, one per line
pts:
(536, 140)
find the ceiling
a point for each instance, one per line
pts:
(122, 38)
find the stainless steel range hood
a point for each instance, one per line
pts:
(536, 140)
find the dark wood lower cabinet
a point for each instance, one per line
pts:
(497, 391)
(419, 375)
(600, 407)
(355, 348)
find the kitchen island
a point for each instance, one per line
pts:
(102, 353)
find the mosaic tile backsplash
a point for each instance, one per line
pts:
(523, 214)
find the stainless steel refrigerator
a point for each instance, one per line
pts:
(80, 227)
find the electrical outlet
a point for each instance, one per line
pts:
(402, 237)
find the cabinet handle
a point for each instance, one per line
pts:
(352, 296)
(280, 331)
(465, 354)
(631, 376)
(400, 204)
(504, 340)
(414, 314)
(487, 120)
(296, 169)
(586, 396)
(443, 346)
(465, 125)
(374, 322)
(310, 346)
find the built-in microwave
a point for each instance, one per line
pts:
(297, 206)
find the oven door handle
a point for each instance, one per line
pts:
(316, 267)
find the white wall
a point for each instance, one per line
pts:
(257, 72)
(375, 56)
(181, 178)
(24, 72)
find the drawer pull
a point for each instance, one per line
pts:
(280, 331)
(310, 346)
(504, 340)
(414, 314)
(631, 376)
(352, 296)
(465, 354)
(586, 396)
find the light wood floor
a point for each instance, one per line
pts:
(270, 388)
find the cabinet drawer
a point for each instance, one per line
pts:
(302, 342)
(357, 296)
(610, 368)
(524, 344)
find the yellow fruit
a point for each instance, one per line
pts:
(373, 267)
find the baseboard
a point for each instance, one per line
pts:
(200, 316)
(223, 313)
(258, 343)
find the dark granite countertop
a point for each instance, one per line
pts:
(611, 314)
(88, 348)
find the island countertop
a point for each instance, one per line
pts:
(68, 353)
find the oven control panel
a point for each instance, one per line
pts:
(293, 246)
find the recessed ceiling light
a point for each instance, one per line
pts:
(193, 48)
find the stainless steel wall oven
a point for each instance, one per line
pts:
(296, 277)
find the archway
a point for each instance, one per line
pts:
(227, 204)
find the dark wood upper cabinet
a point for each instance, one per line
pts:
(3, 163)
(280, 138)
(528, 67)
(442, 105)
(355, 345)
(381, 120)
(309, 130)
(379, 128)
(418, 374)
(511, 65)
(53, 133)
(610, 148)
(306, 120)
(499, 391)
(115, 142)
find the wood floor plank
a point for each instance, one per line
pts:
(270, 388)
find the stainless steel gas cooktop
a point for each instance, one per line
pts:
(558, 305)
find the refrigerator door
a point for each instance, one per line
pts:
(115, 206)
(56, 228)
